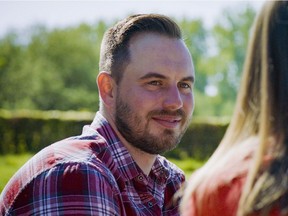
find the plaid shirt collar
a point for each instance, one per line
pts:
(122, 158)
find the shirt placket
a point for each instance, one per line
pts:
(146, 197)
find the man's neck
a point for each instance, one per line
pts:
(144, 160)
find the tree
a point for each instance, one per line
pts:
(55, 69)
(231, 36)
(13, 85)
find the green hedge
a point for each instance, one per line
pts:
(30, 131)
(200, 139)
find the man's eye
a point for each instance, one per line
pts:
(184, 85)
(155, 83)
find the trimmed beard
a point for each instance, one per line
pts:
(138, 135)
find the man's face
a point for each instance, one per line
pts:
(154, 101)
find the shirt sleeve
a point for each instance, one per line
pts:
(70, 189)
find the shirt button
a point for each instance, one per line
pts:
(150, 204)
(140, 178)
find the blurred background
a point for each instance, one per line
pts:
(49, 52)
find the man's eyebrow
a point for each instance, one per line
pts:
(189, 79)
(160, 76)
(152, 75)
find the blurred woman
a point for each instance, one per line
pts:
(248, 172)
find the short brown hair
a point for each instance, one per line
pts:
(114, 54)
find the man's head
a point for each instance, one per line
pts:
(115, 54)
(146, 82)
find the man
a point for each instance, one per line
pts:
(114, 168)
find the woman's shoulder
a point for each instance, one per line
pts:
(219, 189)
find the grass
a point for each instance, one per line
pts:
(9, 164)
(188, 165)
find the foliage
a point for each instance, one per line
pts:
(231, 35)
(54, 70)
(48, 69)
(31, 131)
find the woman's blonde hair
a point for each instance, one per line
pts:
(261, 110)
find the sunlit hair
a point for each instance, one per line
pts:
(261, 111)
(114, 54)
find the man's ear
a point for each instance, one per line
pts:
(106, 87)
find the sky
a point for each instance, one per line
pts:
(19, 15)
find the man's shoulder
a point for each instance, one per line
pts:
(70, 160)
(66, 183)
(82, 153)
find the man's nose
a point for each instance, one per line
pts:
(173, 99)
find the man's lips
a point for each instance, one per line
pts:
(168, 121)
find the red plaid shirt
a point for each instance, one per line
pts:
(91, 174)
